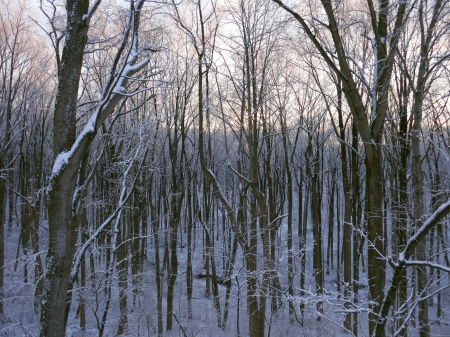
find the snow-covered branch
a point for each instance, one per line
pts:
(110, 98)
(432, 221)
(362, 74)
(411, 245)
(428, 264)
(87, 17)
(125, 194)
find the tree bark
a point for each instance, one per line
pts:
(61, 198)
(370, 129)
(290, 208)
(62, 229)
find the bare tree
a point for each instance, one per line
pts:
(386, 30)
(23, 99)
(69, 149)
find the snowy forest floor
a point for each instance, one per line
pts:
(22, 315)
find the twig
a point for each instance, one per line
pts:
(181, 327)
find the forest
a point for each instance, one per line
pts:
(225, 168)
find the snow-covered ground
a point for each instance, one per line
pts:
(22, 313)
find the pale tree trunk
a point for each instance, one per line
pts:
(331, 215)
(313, 172)
(39, 268)
(155, 217)
(190, 197)
(427, 42)
(6, 175)
(303, 205)
(207, 201)
(347, 230)
(172, 271)
(2, 239)
(249, 247)
(290, 208)
(356, 219)
(274, 196)
(347, 240)
(122, 271)
(10, 56)
(82, 299)
(215, 290)
(228, 283)
(316, 210)
(138, 220)
(421, 254)
(437, 200)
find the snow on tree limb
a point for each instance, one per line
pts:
(125, 194)
(87, 17)
(428, 264)
(432, 221)
(403, 262)
(109, 100)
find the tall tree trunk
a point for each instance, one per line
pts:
(173, 270)
(122, 271)
(62, 229)
(138, 223)
(303, 231)
(375, 237)
(229, 271)
(370, 128)
(190, 194)
(208, 241)
(427, 42)
(400, 197)
(312, 170)
(422, 281)
(331, 207)
(5, 157)
(347, 232)
(68, 154)
(251, 262)
(290, 208)
(356, 219)
(82, 300)
(2, 239)
(207, 244)
(155, 219)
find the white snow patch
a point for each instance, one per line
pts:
(63, 158)
(131, 68)
(119, 90)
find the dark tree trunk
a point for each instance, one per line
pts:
(122, 271)
(190, 196)
(356, 211)
(290, 208)
(62, 229)
(2, 239)
(370, 128)
(68, 156)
